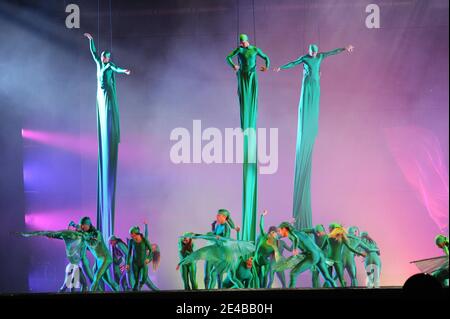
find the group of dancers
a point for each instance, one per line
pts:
(121, 266)
(249, 261)
(237, 263)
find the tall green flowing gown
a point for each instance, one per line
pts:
(108, 128)
(308, 121)
(248, 101)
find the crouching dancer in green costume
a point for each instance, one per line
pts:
(313, 255)
(138, 257)
(245, 275)
(188, 271)
(336, 241)
(224, 256)
(103, 259)
(76, 255)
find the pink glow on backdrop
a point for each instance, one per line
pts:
(419, 155)
(53, 219)
(131, 152)
(83, 145)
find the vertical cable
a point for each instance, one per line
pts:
(98, 23)
(110, 26)
(254, 22)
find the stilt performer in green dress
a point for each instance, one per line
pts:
(248, 101)
(308, 120)
(108, 128)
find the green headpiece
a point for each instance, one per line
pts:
(313, 48)
(440, 239)
(243, 37)
(135, 230)
(226, 213)
(334, 225)
(319, 227)
(112, 237)
(286, 225)
(106, 53)
(85, 221)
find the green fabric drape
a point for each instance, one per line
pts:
(308, 121)
(108, 128)
(248, 101)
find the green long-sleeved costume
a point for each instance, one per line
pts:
(103, 259)
(188, 271)
(308, 121)
(242, 276)
(138, 254)
(319, 237)
(248, 101)
(75, 252)
(335, 255)
(313, 256)
(108, 127)
(148, 282)
(265, 250)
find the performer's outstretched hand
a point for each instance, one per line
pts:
(295, 252)
(237, 228)
(178, 267)
(127, 72)
(236, 68)
(263, 69)
(349, 48)
(277, 69)
(88, 35)
(265, 212)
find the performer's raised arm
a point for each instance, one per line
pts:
(230, 59)
(265, 58)
(92, 47)
(261, 223)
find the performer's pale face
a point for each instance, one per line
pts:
(136, 237)
(249, 262)
(85, 227)
(106, 58)
(113, 242)
(221, 219)
(313, 53)
(186, 241)
(245, 44)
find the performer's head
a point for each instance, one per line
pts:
(113, 240)
(106, 57)
(284, 229)
(135, 232)
(441, 241)
(243, 40)
(273, 232)
(338, 232)
(313, 50)
(187, 239)
(332, 226)
(320, 230)
(85, 223)
(222, 216)
(353, 230)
